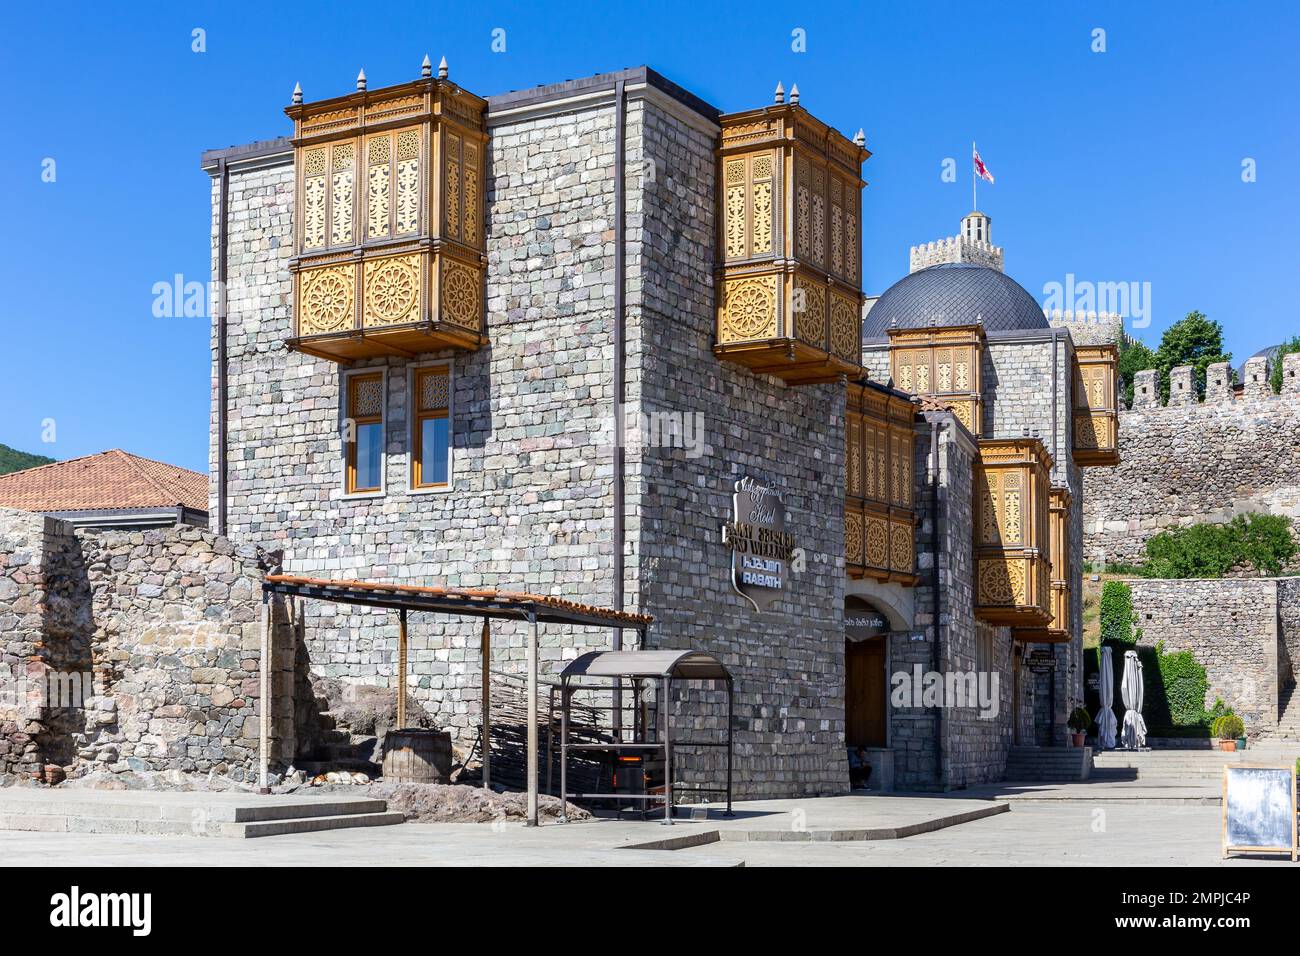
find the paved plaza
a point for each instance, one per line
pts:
(1097, 825)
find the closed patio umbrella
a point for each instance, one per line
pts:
(1130, 688)
(1106, 722)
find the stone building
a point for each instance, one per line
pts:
(602, 341)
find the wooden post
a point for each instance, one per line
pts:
(401, 668)
(264, 683)
(532, 721)
(485, 653)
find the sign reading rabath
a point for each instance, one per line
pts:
(762, 551)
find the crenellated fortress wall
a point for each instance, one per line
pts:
(1196, 460)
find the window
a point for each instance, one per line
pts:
(431, 428)
(364, 440)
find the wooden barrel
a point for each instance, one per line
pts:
(415, 755)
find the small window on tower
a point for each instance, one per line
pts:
(363, 433)
(431, 426)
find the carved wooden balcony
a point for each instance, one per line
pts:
(389, 221)
(1057, 631)
(879, 516)
(1096, 405)
(1012, 556)
(789, 245)
(943, 363)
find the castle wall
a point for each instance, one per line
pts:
(1231, 628)
(1191, 463)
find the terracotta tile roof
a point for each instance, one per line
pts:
(112, 479)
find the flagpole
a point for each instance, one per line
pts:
(974, 204)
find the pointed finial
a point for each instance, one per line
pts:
(426, 68)
(861, 138)
(361, 81)
(780, 93)
(442, 68)
(297, 93)
(794, 94)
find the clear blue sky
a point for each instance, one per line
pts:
(1115, 166)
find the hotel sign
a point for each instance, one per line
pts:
(761, 548)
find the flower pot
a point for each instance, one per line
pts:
(1241, 743)
(1228, 745)
(1078, 739)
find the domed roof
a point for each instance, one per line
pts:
(954, 293)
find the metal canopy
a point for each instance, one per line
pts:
(535, 609)
(478, 603)
(683, 664)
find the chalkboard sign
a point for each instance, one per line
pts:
(1259, 809)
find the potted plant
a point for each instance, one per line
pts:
(1228, 728)
(1079, 722)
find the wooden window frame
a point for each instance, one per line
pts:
(350, 447)
(418, 417)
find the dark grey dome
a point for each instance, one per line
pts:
(954, 293)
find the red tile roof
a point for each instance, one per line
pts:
(110, 480)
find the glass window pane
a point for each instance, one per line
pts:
(434, 436)
(369, 455)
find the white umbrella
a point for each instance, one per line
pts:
(1130, 688)
(1106, 723)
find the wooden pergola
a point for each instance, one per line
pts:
(535, 609)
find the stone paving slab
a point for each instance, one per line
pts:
(1144, 791)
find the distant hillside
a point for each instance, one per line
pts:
(11, 459)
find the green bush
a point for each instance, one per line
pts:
(1185, 685)
(1263, 542)
(1117, 616)
(1230, 727)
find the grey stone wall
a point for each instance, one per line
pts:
(140, 651)
(1288, 608)
(1196, 462)
(1231, 628)
(788, 662)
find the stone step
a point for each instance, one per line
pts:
(267, 828)
(187, 814)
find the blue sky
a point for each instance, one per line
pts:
(1121, 166)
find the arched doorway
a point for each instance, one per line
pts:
(866, 691)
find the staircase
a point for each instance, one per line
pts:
(338, 748)
(1185, 764)
(1288, 723)
(1048, 764)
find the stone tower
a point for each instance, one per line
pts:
(973, 244)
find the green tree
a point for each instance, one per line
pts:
(1134, 357)
(1286, 348)
(1194, 341)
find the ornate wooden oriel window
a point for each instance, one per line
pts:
(944, 363)
(879, 515)
(1096, 405)
(1058, 629)
(790, 238)
(389, 256)
(1012, 556)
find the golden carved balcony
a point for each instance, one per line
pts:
(1096, 405)
(1012, 556)
(879, 510)
(389, 221)
(943, 363)
(790, 239)
(1058, 630)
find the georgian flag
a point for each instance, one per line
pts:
(981, 170)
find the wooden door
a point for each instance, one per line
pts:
(864, 692)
